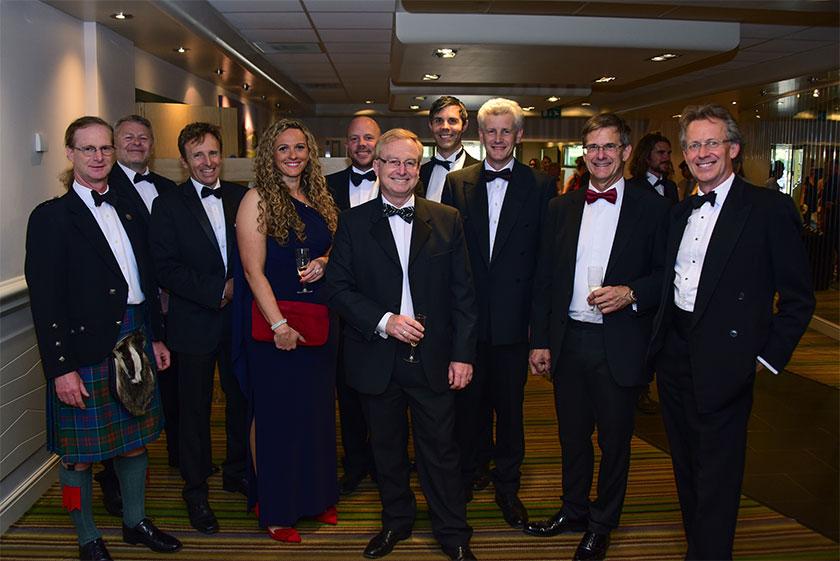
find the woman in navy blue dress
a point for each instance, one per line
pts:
(288, 381)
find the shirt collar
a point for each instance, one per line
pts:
(199, 186)
(360, 172)
(85, 193)
(130, 173)
(722, 190)
(508, 165)
(454, 157)
(652, 178)
(409, 202)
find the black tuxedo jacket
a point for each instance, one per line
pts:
(364, 281)
(670, 188)
(636, 260)
(78, 293)
(189, 264)
(503, 281)
(426, 174)
(119, 181)
(339, 185)
(755, 251)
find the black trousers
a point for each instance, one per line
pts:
(707, 449)
(195, 394)
(433, 422)
(586, 396)
(358, 458)
(498, 387)
(168, 384)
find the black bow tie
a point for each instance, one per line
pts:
(207, 191)
(357, 178)
(107, 197)
(490, 175)
(699, 200)
(446, 163)
(659, 181)
(406, 212)
(138, 177)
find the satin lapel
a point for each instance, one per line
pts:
(193, 203)
(475, 194)
(420, 231)
(725, 236)
(570, 228)
(343, 190)
(425, 175)
(84, 221)
(381, 232)
(628, 216)
(517, 191)
(229, 203)
(128, 189)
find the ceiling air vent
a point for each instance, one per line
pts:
(270, 47)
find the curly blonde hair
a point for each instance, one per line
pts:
(277, 214)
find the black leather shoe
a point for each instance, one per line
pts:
(383, 543)
(94, 551)
(235, 485)
(348, 484)
(111, 496)
(202, 517)
(481, 481)
(592, 547)
(149, 535)
(459, 553)
(513, 511)
(557, 524)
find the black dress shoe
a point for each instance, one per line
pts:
(459, 552)
(592, 546)
(202, 517)
(235, 485)
(557, 524)
(152, 537)
(513, 511)
(383, 543)
(481, 481)
(94, 551)
(111, 496)
(348, 483)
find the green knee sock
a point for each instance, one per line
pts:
(132, 474)
(79, 484)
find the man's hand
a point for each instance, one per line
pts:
(540, 360)
(404, 328)
(460, 374)
(70, 389)
(162, 356)
(610, 299)
(227, 296)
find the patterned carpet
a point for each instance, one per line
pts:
(651, 528)
(817, 357)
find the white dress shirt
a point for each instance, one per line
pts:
(146, 189)
(595, 241)
(496, 191)
(652, 179)
(366, 191)
(401, 231)
(434, 190)
(215, 211)
(109, 222)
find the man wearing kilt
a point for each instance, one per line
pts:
(91, 284)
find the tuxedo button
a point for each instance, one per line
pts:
(55, 326)
(58, 343)
(81, 328)
(72, 332)
(733, 333)
(118, 322)
(112, 291)
(61, 359)
(740, 296)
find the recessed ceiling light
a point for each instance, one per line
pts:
(414, 107)
(529, 108)
(780, 102)
(431, 77)
(369, 101)
(446, 53)
(181, 50)
(246, 86)
(121, 16)
(734, 103)
(277, 106)
(552, 99)
(219, 71)
(585, 103)
(663, 57)
(419, 97)
(816, 93)
(758, 116)
(262, 97)
(677, 116)
(604, 79)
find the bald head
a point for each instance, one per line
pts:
(362, 135)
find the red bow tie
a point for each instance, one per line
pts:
(593, 195)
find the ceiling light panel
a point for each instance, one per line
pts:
(350, 5)
(268, 20)
(355, 35)
(256, 5)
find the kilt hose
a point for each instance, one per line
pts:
(104, 429)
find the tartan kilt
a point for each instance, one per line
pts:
(104, 429)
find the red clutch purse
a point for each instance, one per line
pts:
(312, 321)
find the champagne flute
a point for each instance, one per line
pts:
(302, 260)
(421, 319)
(594, 278)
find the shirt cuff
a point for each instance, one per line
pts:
(767, 365)
(380, 328)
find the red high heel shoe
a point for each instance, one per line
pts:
(286, 535)
(329, 516)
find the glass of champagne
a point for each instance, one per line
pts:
(594, 278)
(421, 319)
(302, 260)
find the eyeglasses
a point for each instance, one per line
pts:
(711, 144)
(395, 163)
(90, 151)
(610, 148)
